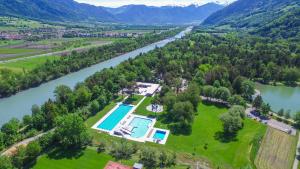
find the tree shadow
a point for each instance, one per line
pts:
(225, 137)
(59, 153)
(218, 105)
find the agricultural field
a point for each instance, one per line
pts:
(26, 64)
(64, 45)
(277, 150)
(14, 24)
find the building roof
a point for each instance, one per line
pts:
(114, 165)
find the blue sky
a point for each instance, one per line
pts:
(117, 3)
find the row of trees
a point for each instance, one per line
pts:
(12, 82)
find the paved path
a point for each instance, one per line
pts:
(296, 161)
(272, 123)
(14, 147)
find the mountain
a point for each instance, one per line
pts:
(70, 10)
(141, 14)
(286, 26)
(252, 13)
(54, 10)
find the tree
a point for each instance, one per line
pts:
(237, 110)
(222, 93)
(71, 131)
(237, 100)
(265, 109)
(182, 111)
(61, 93)
(280, 112)
(231, 124)
(5, 163)
(95, 107)
(33, 149)
(83, 96)
(19, 158)
(257, 102)
(123, 150)
(287, 115)
(208, 91)
(27, 120)
(2, 145)
(10, 131)
(248, 89)
(169, 100)
(148, 157)
(297, 119)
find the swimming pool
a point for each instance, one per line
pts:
(115, 117)
(159, 135)
(140, 127)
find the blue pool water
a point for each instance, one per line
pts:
(159, 135)
(115, 117)
(140, 127)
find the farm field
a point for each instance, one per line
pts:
(277, 150)
(27, 64)
(221, 153)
(16, 50)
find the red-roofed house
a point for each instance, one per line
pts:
(114, 165)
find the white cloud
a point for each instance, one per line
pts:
(117, 3)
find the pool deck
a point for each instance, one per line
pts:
(126, 120)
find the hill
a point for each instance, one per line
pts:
(58, 10)
(285, 26)
(251, 13)
(141, 14)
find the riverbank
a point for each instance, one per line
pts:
(18, 105)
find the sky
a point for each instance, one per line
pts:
(117, 3)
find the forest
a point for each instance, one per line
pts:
(216, 66)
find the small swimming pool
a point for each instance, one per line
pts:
(140, 127)
(115, 117)
(159, 135)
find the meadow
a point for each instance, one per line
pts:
(26, 64)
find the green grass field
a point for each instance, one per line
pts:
(16, 50)
(27, 64)
(87, 159)
(277, 150)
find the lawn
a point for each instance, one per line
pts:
(277, 150)
(87, 159)
(134, 100)
(27, 64)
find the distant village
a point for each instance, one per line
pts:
(49, 33)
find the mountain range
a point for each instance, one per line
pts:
(70, 10)
(141, 14)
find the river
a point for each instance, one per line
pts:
(281, 97)
(20, 104)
